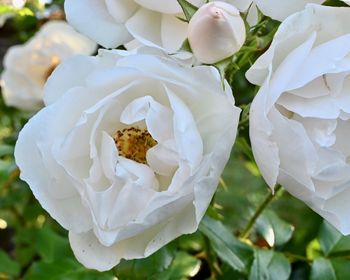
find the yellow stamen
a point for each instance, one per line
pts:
(133, 143)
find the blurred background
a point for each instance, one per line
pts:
(295, 241)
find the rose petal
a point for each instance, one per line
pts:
(281, 9)
(68, 211)
(121, 10)
(173, 33)
(103, 29)
(150, 36)
(188, 140)
(171, 7)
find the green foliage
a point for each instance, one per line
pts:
(287, 241)
(235, 253)
(5, 9)
(275, 231)
(269, 265)
(145, 268)
(168, 263)
(322, 270)
(325, 269)
(50, 246)
(182, 267)
(64, 269)
(188, 9)
(332, 241)
(8, 266)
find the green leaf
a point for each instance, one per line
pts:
(335, 3)
(232, 251)
(269, 265)
(8, 266)
(143, 268)
(330, 269)
(341, 268)
(64, 269)
(191, 242)
(6, 9)
(322, 269)
(275, 231)
(186, 47)
(51, 246)
(332, 241)
(188, 9)
(221, 66)
(6, 150)
(6, 167)
(182, 267)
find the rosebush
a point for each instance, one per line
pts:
(126, 159)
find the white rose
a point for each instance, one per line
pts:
(300, 119)
(27, 67)
(128, 152)
(216, 31)
(280, 9)
(112, 23)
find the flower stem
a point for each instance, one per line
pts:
(294, 258)
(269, 197)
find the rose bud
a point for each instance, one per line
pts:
(216, 31)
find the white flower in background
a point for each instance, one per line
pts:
(128, 152)
(216, 31)
(152, 22)
(300, 119)
(17, 4)
(27, 67)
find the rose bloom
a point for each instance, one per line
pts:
(300, 119)
(152, 22)
(215, 32)
(128, 151)
(27, 67)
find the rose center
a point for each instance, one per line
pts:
(133, 143)
(54, 63)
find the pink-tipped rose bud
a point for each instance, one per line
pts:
(216, 31)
